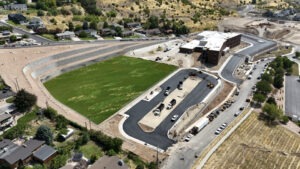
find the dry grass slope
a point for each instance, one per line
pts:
(255, 145)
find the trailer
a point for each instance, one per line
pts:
(199, 125)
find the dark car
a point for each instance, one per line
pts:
(167, 91)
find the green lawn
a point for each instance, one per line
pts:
(49, 36)
(100, 90)
(91, 149)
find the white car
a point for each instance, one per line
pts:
(174, 118)
(223, 126)
(218, 131)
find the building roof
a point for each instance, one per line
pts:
(191, 45)
(66, 33)
(107, 162)
(14, 153)
(44, 152)
(214, 40)
(4, 116)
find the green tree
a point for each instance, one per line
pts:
(85, 25)
(93, 25)
(263, 87)
(139, 166)
(25, 36)
(278, 81)
(285, 119)
(273, 112)
(258, 97)
(40, 13)
(58, 161)
(12, 38)
(105, 25)
(50, 113)
(44, 133)
(267, 77)
(71, 26)
(271, 100)
(24, 100)
(93, 158)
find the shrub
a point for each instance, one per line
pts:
(40, 13)
(111, 152)
(285, 119)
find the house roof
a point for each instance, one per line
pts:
(66, 33)
(107, 162)
(17, 16)
(44, 152)
(14, 153)
(4, 116)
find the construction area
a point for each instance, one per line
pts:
(285, 31)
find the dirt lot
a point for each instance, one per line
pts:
(255, 145)
(287, 32)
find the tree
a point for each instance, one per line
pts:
(267, 77)
(85, 25)
(12, 38)
(278, 81)
(285, 119)
(25, 36)
(50, 113)
(105, 25)
(71, 26)
(259, 97)
(93, 158)
(140, 166)
(93, 25)
(24, 101)
(271, 100)
(273, 112)
(21, 1)
(253, 2)
(263, 87)
(44, 133)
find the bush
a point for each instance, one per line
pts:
(40, 13)
(111, 152)
(50, 113)
(271, 100)
(106, 142)
(285, 119)
(93, 158)
(140, 166)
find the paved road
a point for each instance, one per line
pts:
(259, 45)
(159, 136)
(198, 143)
(292, 96)
(38, 39)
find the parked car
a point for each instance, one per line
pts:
(241, 108)
(167, 91)
(179, 86)
(218, 131)
(171, 104)
(224, 125)
(174, 118)
(237, 113)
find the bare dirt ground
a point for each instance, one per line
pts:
(287, 32)
(255, 145)
(220, 98)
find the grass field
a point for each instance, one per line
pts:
(100, 90)
(91, 149)
(255, 145)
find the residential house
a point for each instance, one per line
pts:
(15, 155)
(133, 25)
(65, 35)
(152, 32)
(118, 25)
(16, 7)
(107, 32)
(107, 162)
(35, 23)
(17, 18)
(6, 120)
(44, 154)
(90, 32)
(127, 33)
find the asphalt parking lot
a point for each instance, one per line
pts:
(159, 136)
(292, 96)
